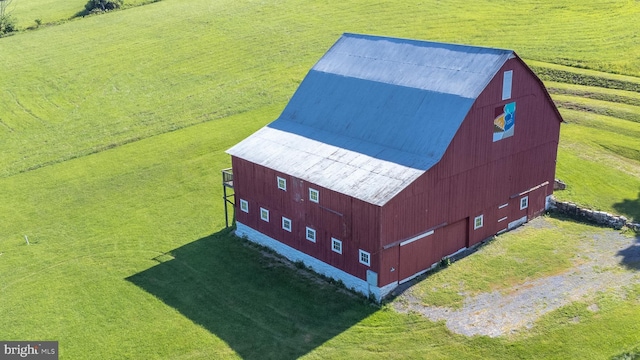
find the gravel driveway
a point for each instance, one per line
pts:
(608, 261)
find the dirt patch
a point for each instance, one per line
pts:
(608, 261)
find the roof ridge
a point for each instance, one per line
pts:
(405, 62)
(402, 39)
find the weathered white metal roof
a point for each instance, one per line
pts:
(374, 114)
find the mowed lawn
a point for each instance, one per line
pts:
(122, 264)
(112, 136)
(98, 82)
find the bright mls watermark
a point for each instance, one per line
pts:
(39, 350)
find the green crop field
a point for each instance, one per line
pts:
(112, 135)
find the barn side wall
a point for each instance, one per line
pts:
(351, 221)
(476, 177)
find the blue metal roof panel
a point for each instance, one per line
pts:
(407, 119)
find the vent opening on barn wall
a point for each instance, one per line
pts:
(229, 198)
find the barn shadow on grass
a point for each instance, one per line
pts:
(631, 255)
(259, 305)
(629, 208)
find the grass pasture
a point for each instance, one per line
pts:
(112, 134)
(52, 12)
(599, 152)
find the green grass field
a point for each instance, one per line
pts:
(52, 12)
(112, 135)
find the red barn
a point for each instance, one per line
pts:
(395, 153)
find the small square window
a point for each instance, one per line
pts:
(336, 245)
(524, 203)
(286, 224)
(264, 214)
(314, 195)
(365, 258)
(311, 234)
(282, 183)
(478, 222)
(244, 205)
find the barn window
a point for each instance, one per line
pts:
(311, 234)
(314, 195)
(286, 224)
(365, 258)
(336, 245)
(506, 85)
(524, 203)
(244, 205)
(478, 222)
(282, 183)
(264, 214)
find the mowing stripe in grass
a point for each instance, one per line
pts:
(580, 76)
(596, 93)
(631, 153)
(547, 74)
(601, 122)
(616, 110)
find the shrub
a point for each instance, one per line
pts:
(94, 6)
(7, 24)
(445, 262)
(629, 355)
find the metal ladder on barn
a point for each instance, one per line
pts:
(229, 198)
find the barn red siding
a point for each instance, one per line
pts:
(354, 222)
(476, 176)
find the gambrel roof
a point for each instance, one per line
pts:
(374, 114)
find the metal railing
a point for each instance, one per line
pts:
(227, 177)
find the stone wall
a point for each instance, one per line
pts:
(598, 217)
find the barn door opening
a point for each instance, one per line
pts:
(456, 237)
(417, 255)
(537, 202)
